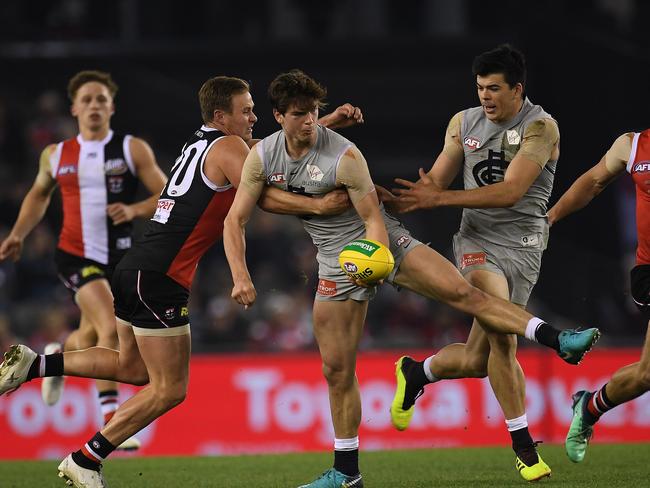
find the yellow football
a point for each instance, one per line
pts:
(366, 260)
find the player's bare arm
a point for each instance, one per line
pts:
(354, 175)
(249, 190)
(151, 176)
(33, 207)
(345, 115)
(593, 181)
(225, 160)
(539, 143)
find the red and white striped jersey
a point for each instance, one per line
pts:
(639, 167)
(92, 175)
(189, 217)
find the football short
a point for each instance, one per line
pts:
(640, 288)
(75, 271)
(333, 283)
(153, 303)
(520, 268)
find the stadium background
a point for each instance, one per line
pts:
(408, 65)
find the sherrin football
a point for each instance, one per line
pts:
(366, 260)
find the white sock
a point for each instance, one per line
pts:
(427, 369)
(531, 328)
(518, 423)
(346, 444)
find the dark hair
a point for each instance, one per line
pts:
(295, 87)
(504, 59)
(83, 77)
(217, 93)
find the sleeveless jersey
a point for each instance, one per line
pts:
(489, 148)
(92, 175)
(189, 216)
(639, 167)
(315, 174)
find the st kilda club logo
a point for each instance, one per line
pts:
(490, 170)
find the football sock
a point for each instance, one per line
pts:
(427, 369)
(93, 452)
(346, 456)
(416, 379)
(108, 404)
(547, 335)
(43, 366)
(518, 429)
(597, 404)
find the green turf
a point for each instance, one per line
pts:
(607, 466)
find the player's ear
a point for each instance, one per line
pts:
(218, 116)
(279, 118)
(519, 90)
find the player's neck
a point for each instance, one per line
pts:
(512, 114)
(88, 134)
(297, 148)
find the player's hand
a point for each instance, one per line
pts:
(120, 213)
(243, 292)
(11, 247)
(390, 201)
(334, 202)
(345, 115)
(421, 194)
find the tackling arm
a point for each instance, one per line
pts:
(593, 181)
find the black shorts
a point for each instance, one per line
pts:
(75, 271)
(150, 300)
(640, 287)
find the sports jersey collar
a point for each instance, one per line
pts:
(205, 128)
(105, 140)
(525, 107)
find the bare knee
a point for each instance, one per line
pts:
(170, 396)
(337, 374)
(644, 380)
(467, 297)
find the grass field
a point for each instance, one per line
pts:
(609, 466)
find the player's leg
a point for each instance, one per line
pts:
(338, 326)
(626, 384)
(167, 361)
(427, 273)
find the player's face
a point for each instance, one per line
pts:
(93, 106)
(299, 122)
(241, 119)
(500, 102)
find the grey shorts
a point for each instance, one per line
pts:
(333, 283)
(520, 268)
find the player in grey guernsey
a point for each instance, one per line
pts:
(309, 159)
(508, 150)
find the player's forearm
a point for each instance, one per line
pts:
(234, 244)
(583, 191)
(31, 212)
(279, 201)
(498, 195)
(376, 231)
(145, 209)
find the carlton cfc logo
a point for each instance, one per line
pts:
(490, 170)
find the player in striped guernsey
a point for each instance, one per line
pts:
(152, 282)
(98, 173)
(630, 152)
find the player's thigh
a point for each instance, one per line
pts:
(167, 359)
(129, 350)
(338, 327)
(95, 301)
(426, 272)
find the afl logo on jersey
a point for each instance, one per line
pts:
(115, 167)
(490, 170)
(67, 169)
(641, 167)
(277, 178)
(472, 142)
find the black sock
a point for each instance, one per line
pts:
(521, 439)
(34, 368)
(85, 462)
(347, 462)
(589, 417)
(54, 364)
(548, 335)
(416, 379)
